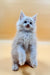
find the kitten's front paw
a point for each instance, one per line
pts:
(22, 60)
(34, 63)
(15, 67)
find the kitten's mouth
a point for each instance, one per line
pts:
(27, 26)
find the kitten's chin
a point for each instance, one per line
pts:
(28, 30)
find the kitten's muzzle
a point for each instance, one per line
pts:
(27, 26)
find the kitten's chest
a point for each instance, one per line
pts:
(27, 39)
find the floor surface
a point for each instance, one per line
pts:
(43, 60)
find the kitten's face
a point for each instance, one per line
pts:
(26, 23)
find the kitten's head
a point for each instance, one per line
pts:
(26, 23)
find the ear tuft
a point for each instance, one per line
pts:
(21, 15)
(34, 18)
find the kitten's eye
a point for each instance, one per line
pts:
(25, 21)
(30, 22)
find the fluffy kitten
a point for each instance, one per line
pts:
(24, 45)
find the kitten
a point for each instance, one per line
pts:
(24, 45)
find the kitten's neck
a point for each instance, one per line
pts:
(26, 31)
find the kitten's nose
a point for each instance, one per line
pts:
(27, 26)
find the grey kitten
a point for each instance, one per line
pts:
(24, 44)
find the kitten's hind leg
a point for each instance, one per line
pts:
(14, 54)
(33, 56)
(15, 67)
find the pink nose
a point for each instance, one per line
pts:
(27, 26)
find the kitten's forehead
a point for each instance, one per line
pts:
(28, 18)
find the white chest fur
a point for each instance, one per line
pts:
(26, 38)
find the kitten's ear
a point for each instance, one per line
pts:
(21, 15)
(34, 18)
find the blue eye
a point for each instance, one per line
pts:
(31, 23)
(25, 21)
